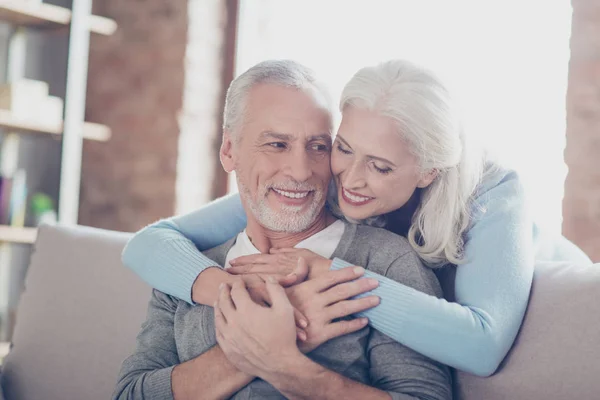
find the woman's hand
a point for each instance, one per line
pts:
(255, 339)
(257, 290)
(283, 263)
(326, 298)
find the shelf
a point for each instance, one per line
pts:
(91, 131)
(13, 234)
(34, 14)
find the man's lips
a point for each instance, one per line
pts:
(293, 197)
(292, 194)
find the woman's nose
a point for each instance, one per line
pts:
(354, 178)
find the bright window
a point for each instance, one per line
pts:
(506, 61)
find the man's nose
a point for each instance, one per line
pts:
(299, 166)
(354, 176)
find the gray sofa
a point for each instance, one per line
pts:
(81, 310)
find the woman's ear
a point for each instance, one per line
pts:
(427, 178)
(226, 153)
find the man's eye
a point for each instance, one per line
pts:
(277, 145)
(319, 147)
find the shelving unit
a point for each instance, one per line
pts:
(79, 23)
(91, 131)
(40, 15)
(14, 234)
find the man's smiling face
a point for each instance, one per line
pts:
(281, 155)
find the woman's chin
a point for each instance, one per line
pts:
(353, 214)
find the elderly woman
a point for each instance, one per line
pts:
(401, 161)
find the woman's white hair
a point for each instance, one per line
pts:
(429, 122)
(287, 73)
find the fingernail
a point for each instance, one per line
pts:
(272, 279)
(302, 336)
(221, 286)
(359, 270)
(364, 321)
(375, 300)
(233, 261)
(215, 304)
(372, 282)
(303, 323)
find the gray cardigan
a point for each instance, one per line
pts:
(175, 332)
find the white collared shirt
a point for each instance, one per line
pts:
(322, 243)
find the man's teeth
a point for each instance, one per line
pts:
(292, 195)
(354, 198)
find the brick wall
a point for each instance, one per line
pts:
(581, 205)
(135, 86)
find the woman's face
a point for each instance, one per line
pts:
(374, 171)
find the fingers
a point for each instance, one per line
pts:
(332, 278)
(347, 290)
(247, 269)
(348, 307)
(301, 335)
(251, 259)
(301, 270)
(299, 274)
(240, 296)
(258, 269)
(277, 294)
(301, 320)
(345, 327)
(224, 302)
(288, 280)
(220, 321)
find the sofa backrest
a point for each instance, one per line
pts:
(81, 311)
(556, 355)
(77, 319)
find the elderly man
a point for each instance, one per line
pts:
(277, 139)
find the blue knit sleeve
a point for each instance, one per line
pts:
(491, 288)
(166, 254)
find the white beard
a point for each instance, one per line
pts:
(287, 219)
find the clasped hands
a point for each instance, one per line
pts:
(286, 303)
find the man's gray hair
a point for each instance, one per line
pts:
(286, 73)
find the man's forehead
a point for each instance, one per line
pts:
(290, 137)
(270, 94)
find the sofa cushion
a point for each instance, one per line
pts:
(77, 319)
(556, 353)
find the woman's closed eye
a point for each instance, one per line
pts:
(381, 169)
(342, 149)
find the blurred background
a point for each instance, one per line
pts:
(149, 77)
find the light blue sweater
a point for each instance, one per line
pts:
(491, 288)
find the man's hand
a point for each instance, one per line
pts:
(256, 339)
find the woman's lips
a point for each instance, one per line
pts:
(354, 199)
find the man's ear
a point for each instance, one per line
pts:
(226, 153)
(427, 178)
